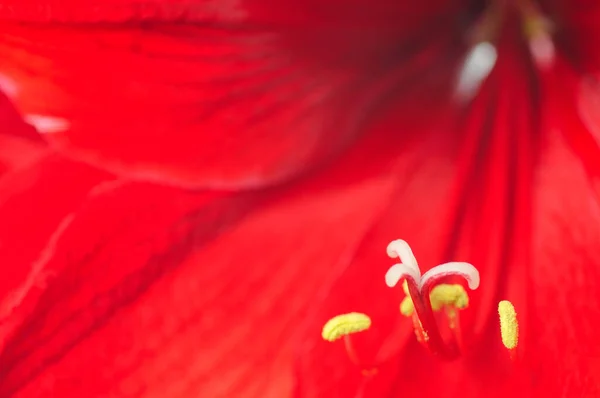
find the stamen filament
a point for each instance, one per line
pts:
(351, 350)
(432, 338)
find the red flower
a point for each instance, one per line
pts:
(343, 118)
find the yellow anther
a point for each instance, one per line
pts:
(345, 324)
(407, 307)
(448, 296)
(444, 295)
(509, 327)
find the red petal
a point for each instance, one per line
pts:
(472, 207)
(250, 93)
(16, 153)
(34, 201)
(565, 277)
(164, 293)
(18, 145)
(565, 353)
(578, 23)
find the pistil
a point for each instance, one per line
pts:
(420, 289)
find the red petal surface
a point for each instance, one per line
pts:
(578, 28)
(17, 139)
(470, 203)
(565, 309)
(161, 293)
(16, 152)
(35, 200)
(209, 93)
(565, 278)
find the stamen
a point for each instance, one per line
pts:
(464, 270)
(345, 324)
(445, 295)
(400, 249)
(509, 327)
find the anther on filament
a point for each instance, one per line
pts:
(441, 296)
(345, 324)
(509, 326)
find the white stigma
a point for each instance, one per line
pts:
(408, 268)
(464, 270)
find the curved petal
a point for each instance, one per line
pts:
(564, 306)
(216, 93)
(565, 310)
(160, 292)
(34, 201)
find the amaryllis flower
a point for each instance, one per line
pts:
(216, 179)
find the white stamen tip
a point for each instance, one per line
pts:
(400, 249)
(478, 64)
(399, 271)
(48, 124)
(464, 270)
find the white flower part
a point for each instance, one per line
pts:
(47, 124)
(399, 271)
(478, 64)
(400, 249)
(465, 270)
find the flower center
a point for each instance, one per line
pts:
(534, 25)
(433, 306)
(487, 33)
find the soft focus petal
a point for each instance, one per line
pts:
(11, 123)
(161, 293)
(210, 93)
(564, 307)
(578, 27)
(35, 200)
(19, 144)
(16, 152)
